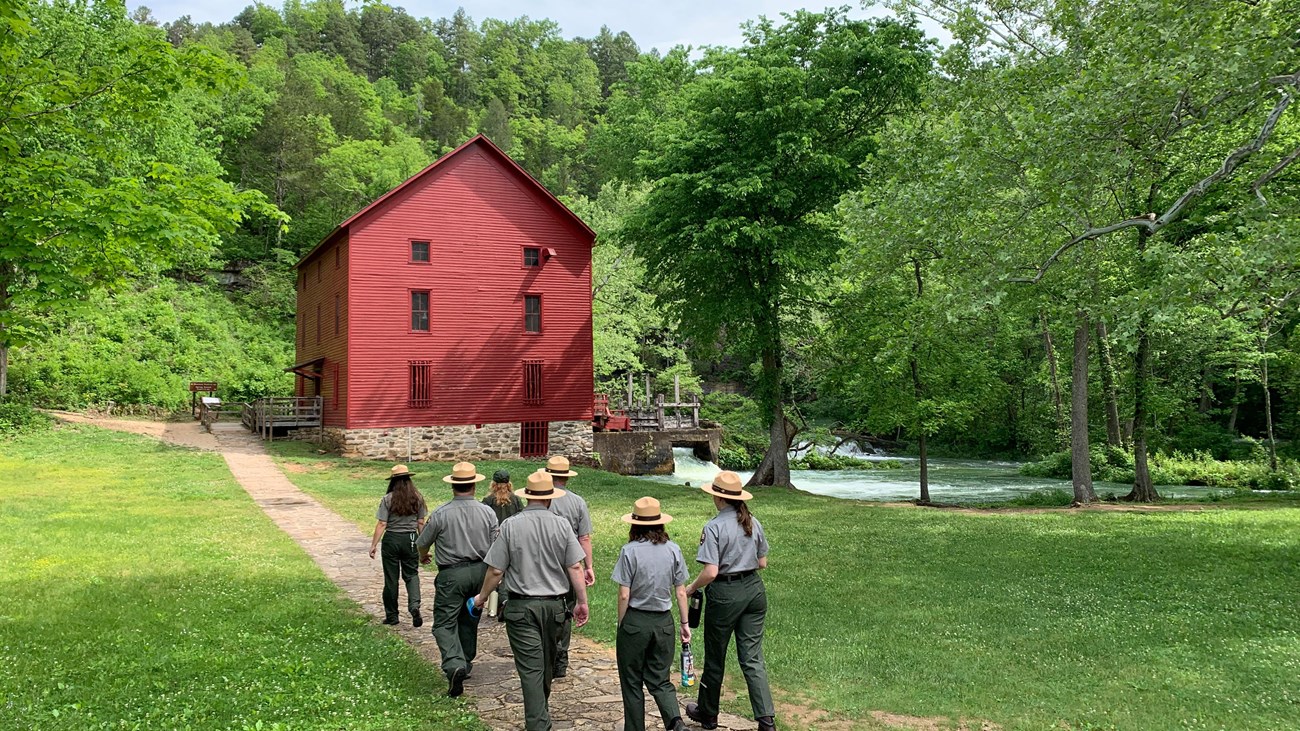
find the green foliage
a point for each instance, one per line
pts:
(143, 346)
(16, 417)
(749, 158)
(817, 461)
(744, 437)
(1177, 468)
(102, 175)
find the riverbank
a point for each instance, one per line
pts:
(948, 615)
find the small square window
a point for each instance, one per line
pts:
(420, 251)
(532, 313)
(532, 256)
(420, 311)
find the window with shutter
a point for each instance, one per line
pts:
(533, 395)
(534, 439)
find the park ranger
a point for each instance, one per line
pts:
(732, 550)
(461, 531)
(649, 572)
(538, 559)
(572, 508)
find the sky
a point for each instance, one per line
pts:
(658, 24)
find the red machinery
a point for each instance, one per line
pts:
(605, 419)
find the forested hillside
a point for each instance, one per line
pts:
(1079, 210)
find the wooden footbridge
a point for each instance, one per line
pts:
(267, 415)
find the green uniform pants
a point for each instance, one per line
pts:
(644, 648)
(735, 607)
(565, 635)
(453, 628)
(532, 626)
(401, 560)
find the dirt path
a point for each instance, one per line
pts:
(587, 699)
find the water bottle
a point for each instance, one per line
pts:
(473, 609)
(688, 666)
(695, 602)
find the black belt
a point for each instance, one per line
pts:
(557, 597)
(736, 576)
(458, 565)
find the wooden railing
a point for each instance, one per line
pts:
(265, 415)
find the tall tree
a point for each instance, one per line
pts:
(746, 166)
(101, 176)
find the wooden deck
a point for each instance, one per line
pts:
(265, 415)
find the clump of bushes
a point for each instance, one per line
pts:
(15, 417)
(817, 461)
(1178, 468)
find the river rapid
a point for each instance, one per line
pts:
(951, 480)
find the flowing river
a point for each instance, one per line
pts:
(951, 480)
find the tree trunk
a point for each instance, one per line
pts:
(1143, 490)
(775, 467)
(1081, 467)
(1056, 380)
(1236, 405)
(4, 342)
(1113, 436)
(1268, 399)
(918, 390)
(764, 474)
(1207, 390)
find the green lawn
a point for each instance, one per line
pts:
(140, 588)
(1177, 620)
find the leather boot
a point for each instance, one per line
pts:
(766, 723)
(708, 723)
(677, 724)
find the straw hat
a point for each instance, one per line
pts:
(726, 485)
(559, 467)
(646, 512)
(463, 473)
(540, 487)
(399, 471)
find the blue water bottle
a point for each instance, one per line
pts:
(470, 607)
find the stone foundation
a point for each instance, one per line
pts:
(572, 439)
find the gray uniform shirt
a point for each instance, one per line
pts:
(460, 530)
(573, 508)
(725, 545)
(650, 572)
(398, 523)
(535, 550)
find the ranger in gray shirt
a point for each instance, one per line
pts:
(650, 570)
(732, 549)
(460, 532)
(540, 560)
(572, 508)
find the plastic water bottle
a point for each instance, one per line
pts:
(688, 666)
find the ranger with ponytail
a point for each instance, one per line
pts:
(732, 550)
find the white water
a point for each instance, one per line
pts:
(951, 480)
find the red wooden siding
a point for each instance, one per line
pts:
(478, 213)
(323, 301)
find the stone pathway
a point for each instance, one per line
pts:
(587, 699)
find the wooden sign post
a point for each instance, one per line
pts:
(197, 387)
